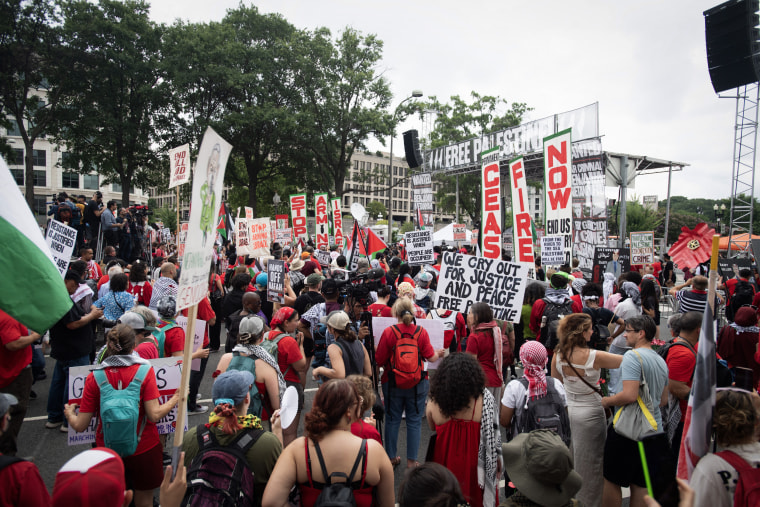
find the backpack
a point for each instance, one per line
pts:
(271, 346)
(219, 475)
(553, 312)
(339, 494)
(246, 363)
(744, 293)
(545, 413)
(64, 213)
(426, 301)
(747, 492)
(160, 336)
(120, 412)
(320, 345)
(228, 274)
(600, 330)
(406, 359)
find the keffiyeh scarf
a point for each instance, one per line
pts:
(258, 352)
(556, 296)
(632, 292)
(489, 451)
(744, 329)
(533, 356)
(119, 361)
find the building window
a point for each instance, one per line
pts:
(18, 157)
(395, 193)
(39, 158)
(39, 205)
(538, 202)
(117, 188)
(186, 215)
(346, 200)
(40, 178)
(18, 175)
(13, 129)
(361, 166)
(90, 181)
(356, 164)
(70, 180)
(536, 217)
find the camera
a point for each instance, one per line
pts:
(359, 285)
(140, 211)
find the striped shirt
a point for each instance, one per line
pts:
(692, 300)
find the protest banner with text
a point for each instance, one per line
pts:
(589, 203)
(61, 239)
(558, 185)
(298, 216)
(276, 281)
(460, 232)
(259, 229)
(466, 279)
(323, 257)
(322, 221)
(337, 221)
(182, 240)
(283, 236)
(491, 210)
(642, 247)
(521, 233)
(282, 221)
(552, 250)
(242, 238)
(179, 160)
(610, 260)
(419, 247)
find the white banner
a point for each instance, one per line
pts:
(282, 236)
(552, 250)
(460, 232)
(242, 237)
(419, 247)
(298, 216)
(521, 232)
(260, 239)
(182, 240)
(434, 328)
(208, 179)
(466, 279)
(337, 221)
(179, 160)
(322, 217)
(491, 198)
(642, 247)
(248, 213)
(589, 203)
(61, 239)
(558, 161)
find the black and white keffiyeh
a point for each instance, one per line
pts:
(489, 451)
(258, 352)
(119, 361)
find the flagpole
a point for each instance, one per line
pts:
(177, 188)
(179, 430)
(713, 281)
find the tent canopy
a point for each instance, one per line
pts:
(447, 234)
(740, 241)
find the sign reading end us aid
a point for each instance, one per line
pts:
(558, 161)
(491, 184)
(179, 160)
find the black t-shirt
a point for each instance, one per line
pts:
(540, 275)
(67, 344)
(267, 307)
(89, 213)
(306, 301)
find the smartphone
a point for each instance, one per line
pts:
(744, 378)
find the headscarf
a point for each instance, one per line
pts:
(282, 315)
(374, 263)
(609, 285)
(578, 284)
(632, 291)
(534, 358)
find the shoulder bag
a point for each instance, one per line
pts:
(636, 421)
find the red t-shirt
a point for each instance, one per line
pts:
(364, 430)
(481, 345)
(205, 313)
(21, 484)
(387, 344)
(380, 310)
(147, 350)
(175, 341)
(12, 362)
(288, 353)
(103, 279)
(538, 311)
(681, 363)
(143, 292)
(148, 391)
(310, 267)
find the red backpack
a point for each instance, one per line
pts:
(747, 492)
(406, 361)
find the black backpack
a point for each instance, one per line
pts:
(228, 274)
(544, 413)
(553, 312)
(601, 330)
(723, 376)
(219, 475)
(744, 293)
(320, 345)
(339, 494)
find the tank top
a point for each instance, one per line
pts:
(311, 489)
(353, 356)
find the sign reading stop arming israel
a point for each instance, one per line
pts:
(558, 184)
(522, 237)
(337, 220)
(321, 215)
(298, 216)
(491, 181)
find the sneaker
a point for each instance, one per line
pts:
(53, 424)
(198, 396)
(199, 409)
(63, 429)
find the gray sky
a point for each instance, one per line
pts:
(643, 61)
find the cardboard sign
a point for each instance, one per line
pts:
(179, 165)
(322, 221)
(168, 372)
(610, 260)
(552, 250)
(434, 328)
(182, 240)
(61, 239)
(337, 222)
(642, 247)
(558, 186)
(260, 239)
(323, 257)
(298, 214)
(248, 213)
(491, 197)
(242, 238)
(208, 179)
(460, 232)
(419, 247)
(282, 236)
(521, 220)
(276, 281)
(466, 279)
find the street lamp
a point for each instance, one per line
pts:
(415, 94)
(276, 202)
(719, 216)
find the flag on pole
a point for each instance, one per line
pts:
(369, 244)
(44, 301)
(221, 226)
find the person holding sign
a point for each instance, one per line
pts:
(143, 466)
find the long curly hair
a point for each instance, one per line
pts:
(570, 333)
(334, 398)
(459, 380)
(735, 418)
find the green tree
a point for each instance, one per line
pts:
(167, 216)
(376, 208)
(30, 50)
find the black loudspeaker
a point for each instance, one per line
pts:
(412, 149)
(731, 37)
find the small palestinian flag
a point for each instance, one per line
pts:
(222, 224)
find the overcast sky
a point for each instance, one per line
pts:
(643, 61)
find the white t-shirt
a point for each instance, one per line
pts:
(714, 480)
(514, 397)
(625, 311)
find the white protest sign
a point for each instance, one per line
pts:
(558, 161)
(521, 220)
(259, 229)
(248, 213)
(434, 328)
(419, 247)
(552, 250)
(466, 279)
(168, 372)
(298, 216)
(208, 179)
(322, 220)
(242, 238)
(61, 239)
(460, 232)
(166, 235)
(200, 334)
(337, 221)
(181, 240)
(323, 257)
(491, 208)
(642, 247)
(282, 236)
(179, 161)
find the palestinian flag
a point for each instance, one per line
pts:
(44, 298)
(368, 243)
(222, 222)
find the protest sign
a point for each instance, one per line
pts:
(491, 210)
(419, 247)
(181, 240)
(179, 161)
(466, 279)
(521, 220)
(61, 239)
(323, 257)
(208, 179)
(282, 221)
(166, 235)
(276, 281)
(589, 203)
(168, 372)
(248, 213)
(298, 215)
(260, 239)
(610, 260)
(434, 328)
(474, 237)
(729, 268)
(422, 199)
(337, 221)
(282, 236)
(460, 232)
(322, 221)
(199, 333)
(558, 184)
(642, 247)
(242, 238)
(552, 250)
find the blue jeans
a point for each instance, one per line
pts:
(58, 395)
(616, 374)
(396, 401)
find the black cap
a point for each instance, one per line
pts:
(329, 287)
(73, 275)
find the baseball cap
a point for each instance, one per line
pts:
(329, 287)
(92, 477)
(313, 279)
(251, 324)
(305, 255)
(135, 321)
(337, 319)
(6, 402)
(261, 280)
(231, 387)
